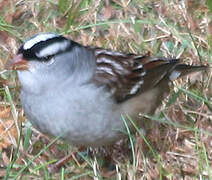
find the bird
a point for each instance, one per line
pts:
(82, 93)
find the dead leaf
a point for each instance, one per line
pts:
(84, 38)
(192, 23)
(2, 173)
(4, 112)
(4, 3)
(5, 159)
(8, 133)
(108, 12)
(4, 37)
(17, 14)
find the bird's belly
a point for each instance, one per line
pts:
(80, 122)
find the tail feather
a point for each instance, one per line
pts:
(183, 69)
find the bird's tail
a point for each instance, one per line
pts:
(183, 69)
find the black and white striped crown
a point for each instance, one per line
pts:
(44, 45)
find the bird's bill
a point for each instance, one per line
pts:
(17, 63)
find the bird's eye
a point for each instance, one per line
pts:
(49, 61)
(47, 58)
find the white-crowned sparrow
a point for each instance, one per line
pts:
(81, 92)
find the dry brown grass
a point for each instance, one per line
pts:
(181, 144)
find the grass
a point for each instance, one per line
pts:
(178, 146)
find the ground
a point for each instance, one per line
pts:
(180, 144)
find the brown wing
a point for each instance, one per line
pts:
(125, 75)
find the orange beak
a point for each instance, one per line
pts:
(18, 63)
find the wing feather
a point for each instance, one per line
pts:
(126, 75)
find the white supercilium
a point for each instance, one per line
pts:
(38, 38)
(53, 48)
